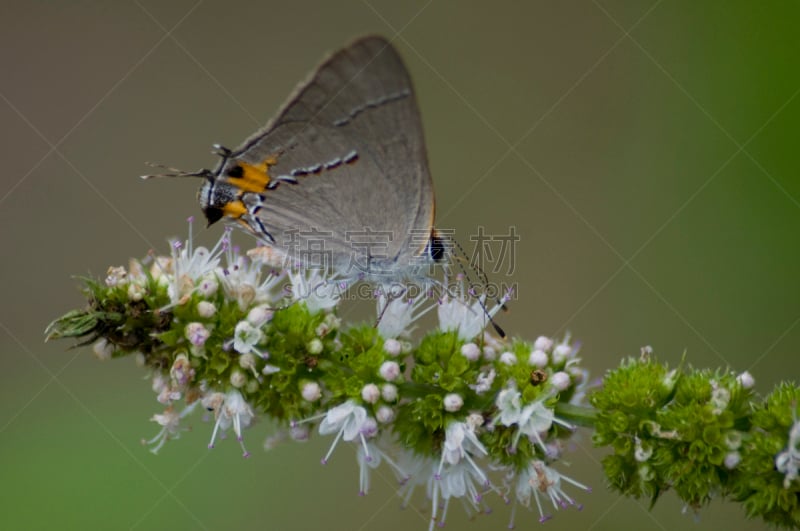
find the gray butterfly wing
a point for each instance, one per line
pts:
(350, 165)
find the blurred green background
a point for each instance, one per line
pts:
(646, 152)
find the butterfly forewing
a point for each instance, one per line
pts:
(345, 155)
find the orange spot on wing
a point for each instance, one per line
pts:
(234, 209)
(255, 177)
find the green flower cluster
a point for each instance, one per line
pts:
(701, 434)
(766, 481)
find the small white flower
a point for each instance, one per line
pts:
(788, 461)
(655, 429)
(246, 337)
(369, 428)
(169, 421)
(554, 450)
(390, 371)
(720, 397)
(346, 420)
(208, 285)
(535, 419)
(462, 478)
(398, 315)
(733, 439)
(260, 315)
(471, 351)
(248, 361)
(468, 320)
(160, 382)
(161, 268)
(641, 452)
(746, 380)
(330, 322)
(669, 380)
(238, 379)
(453, 402)
(543, 343)
(206, 309)
(189, 265)
(509, 358)
(170, 426)
(489, 353)
(384, 414)
(181, 371)
(532, 419)
(389, 392)
(462, 481)
(460, 442)
(538, 358)
(136, 271)
(370, 393)
(196, 333)
(491, 340)
(311, 391)
(136, 291)
(369, 457)
(475, 421)
(299, 433)
(484, 383)
(229, 409)
(164, 386)
(561, 352)
(116, 276)
(392, 347)
(248, 282)
(164, 281)
(103, 349)
(560, 381)
(310, 286)
(314, 346)
(270, 369)
(732, 459)
(538, 479)
(509, 404)
(645, 473)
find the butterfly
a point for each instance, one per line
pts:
(339, 179)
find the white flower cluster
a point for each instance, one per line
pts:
(196, 270)
(211, 282)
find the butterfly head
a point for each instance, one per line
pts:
(222, 190)
(219, 198)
